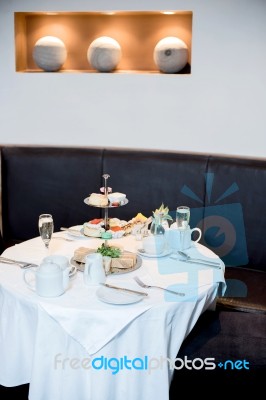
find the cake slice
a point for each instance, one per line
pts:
(97, 199)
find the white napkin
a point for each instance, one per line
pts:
(89, 321)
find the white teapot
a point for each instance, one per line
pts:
(94, 272)
(49, 279)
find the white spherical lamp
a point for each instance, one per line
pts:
(104, 54)
(170, 55)
(49, 53)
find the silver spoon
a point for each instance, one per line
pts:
(199, 261)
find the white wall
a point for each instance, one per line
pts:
(220, 108)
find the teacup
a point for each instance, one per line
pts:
(181, 239)
(153, 244)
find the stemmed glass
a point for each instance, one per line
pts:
(46, 228)
(182, 221)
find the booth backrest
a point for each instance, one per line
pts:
(226, 194)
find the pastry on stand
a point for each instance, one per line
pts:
(105, 201)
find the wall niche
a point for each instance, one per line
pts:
(136, 32)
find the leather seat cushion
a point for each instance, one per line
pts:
(246, 290)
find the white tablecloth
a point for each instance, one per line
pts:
(74, 346)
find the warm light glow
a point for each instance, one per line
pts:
(78, 30)
(168, 12)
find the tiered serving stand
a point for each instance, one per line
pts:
(105, 208)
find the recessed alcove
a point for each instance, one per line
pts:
(137, 32)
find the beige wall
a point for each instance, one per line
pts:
(219, 108)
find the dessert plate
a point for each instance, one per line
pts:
(76, 232)
(114, 296)
(86, 201)
(143, 253)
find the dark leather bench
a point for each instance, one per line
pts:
(226, 196)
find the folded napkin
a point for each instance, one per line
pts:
(89, 321)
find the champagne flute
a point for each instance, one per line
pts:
(46, 228)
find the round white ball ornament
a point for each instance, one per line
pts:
(104, 54)
(49, 53)
(170, 55)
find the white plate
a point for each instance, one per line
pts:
(86, 201)
(80, 267)
(163, 254)
(79, 234)
(115, 296)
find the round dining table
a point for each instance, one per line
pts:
(93, 342)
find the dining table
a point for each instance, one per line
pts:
(93, 342)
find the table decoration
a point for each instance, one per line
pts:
(170, 54)
(49, 53)
(159, 215)
(104, 54)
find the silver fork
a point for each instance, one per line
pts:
(21, 264)
(142, 284)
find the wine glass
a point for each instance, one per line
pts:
(46, 228)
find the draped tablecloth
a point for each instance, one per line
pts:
(75, 346)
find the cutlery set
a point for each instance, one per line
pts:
(186, 258)
(21, 264)
(142, 284)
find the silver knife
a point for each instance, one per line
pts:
(206, 263)
(124, 289)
